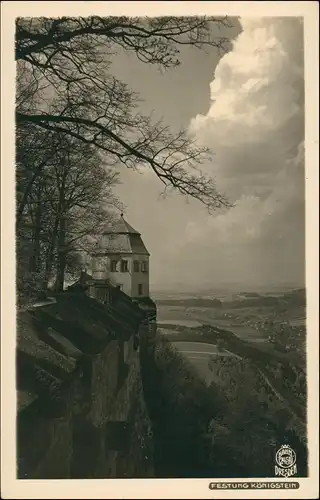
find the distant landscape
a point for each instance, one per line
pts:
(250, 353)
(222, 290)
(274, 324)
(252, 315)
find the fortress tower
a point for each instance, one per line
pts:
(122, 258)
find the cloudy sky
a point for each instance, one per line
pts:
(248, 107)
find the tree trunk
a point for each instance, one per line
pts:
(62, 214)
(26, 193)
(34, 264)
(50, 253)
(61, 257)
(61, 271)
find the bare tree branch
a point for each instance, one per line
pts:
(73, 56)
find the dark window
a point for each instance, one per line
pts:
(124, 266)
(101, 293)
(136, 266)
(107, 299)
(113, 266)
(140, 289)
(144, 267)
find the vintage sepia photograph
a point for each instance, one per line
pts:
(160, 248)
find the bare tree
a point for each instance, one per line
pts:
(69, 90)
(65, 210)
(84, 202)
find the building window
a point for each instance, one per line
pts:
(140, 289)
(98, 264)
(136, 267)
(113, 266)
(144, 267)
(124, 266)
(101, 294)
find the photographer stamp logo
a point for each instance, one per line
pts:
(286, 462)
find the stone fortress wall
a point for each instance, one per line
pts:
(80, 405)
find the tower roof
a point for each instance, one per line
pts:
(121, 238)
(121, 227)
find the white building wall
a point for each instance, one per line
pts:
(140, 278)
(128, 281)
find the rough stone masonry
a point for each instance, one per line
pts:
(81, 412)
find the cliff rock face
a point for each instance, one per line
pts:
(81, 412)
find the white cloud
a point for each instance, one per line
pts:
(255, 125)
(256, 85)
